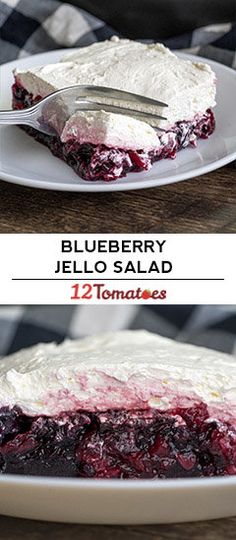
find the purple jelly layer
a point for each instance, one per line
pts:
(183, 442)
(98, 162)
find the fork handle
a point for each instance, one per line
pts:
(16, 117)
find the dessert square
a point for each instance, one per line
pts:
(105, 146)
(125, 405)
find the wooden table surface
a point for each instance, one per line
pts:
(21, 529)
(206, 204)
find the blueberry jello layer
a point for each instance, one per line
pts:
(101, 145)
(123, 405)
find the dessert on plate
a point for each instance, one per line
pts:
(121, 405)
(101, 145)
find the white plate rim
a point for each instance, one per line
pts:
(120, 484)
(91, 187)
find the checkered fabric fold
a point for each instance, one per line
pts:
(34, 26)
(208, 326)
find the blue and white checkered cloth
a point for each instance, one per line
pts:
(33, 26)
(210, 326)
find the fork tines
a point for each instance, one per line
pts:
(86, 91)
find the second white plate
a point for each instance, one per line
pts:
(117, 501)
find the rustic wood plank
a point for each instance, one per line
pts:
(21, 529)
(206, 204)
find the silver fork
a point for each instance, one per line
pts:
(51, 113)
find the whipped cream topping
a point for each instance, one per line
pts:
(151, 70)
(129, 369)
(113, 130)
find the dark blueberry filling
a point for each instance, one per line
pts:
(98, 162)
(183, 442)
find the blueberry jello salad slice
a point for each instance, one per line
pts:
(120, 405)
(101, 145)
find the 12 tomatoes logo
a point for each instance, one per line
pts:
(100, 291)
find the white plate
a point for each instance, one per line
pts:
(117, 501)
(26, 162)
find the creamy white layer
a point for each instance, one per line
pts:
(113, 130)
(151, 70)
(128, 369)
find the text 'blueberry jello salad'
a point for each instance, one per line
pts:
(101, 145)
(124, 405)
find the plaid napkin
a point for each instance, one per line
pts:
(209, 326)
(34, 26)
